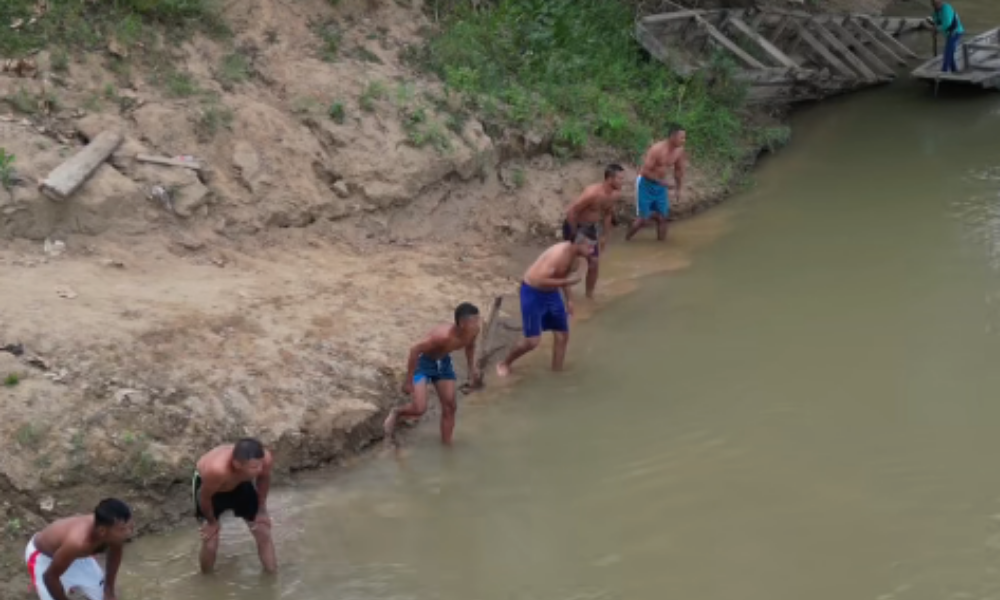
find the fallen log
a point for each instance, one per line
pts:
(67, 178)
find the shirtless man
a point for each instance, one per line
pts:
(542, 307)
(592, 210)
(651, 185)
(430, 362)
(234, 477)
(61, 557)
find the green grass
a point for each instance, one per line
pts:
(338, 113)
(7, 181)
(571, 68)
(330, 39)
(180, 85)
(373, 92)
(29, 436)
(24, 101)
(235, 69)
(12, 379)
(214, 118)
(60, 60)
(89, 25)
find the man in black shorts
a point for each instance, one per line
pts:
(234, 477)
(591, 213)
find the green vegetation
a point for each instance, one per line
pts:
(7, 181)
(373, 91)
(331, 37)
(235, 69)
(214, 117)
(60, 60)
(12, 379)
(571, 68)
(338, 113)
(179, 84)
(29, 436)
(366, 55)
(90, 25)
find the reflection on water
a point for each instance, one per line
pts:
(806, 406)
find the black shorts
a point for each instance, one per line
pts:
(242, 500)
(569, 234)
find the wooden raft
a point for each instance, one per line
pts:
(978, 62)
(784, 56)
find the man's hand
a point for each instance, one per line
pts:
(408, 386)
(209, 530)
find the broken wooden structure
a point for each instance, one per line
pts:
(978, 62)
(784, 56)
(70, 175)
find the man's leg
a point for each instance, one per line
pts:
(950, 48)
(635, 227)
(209, 550)
(265, 546)
(661, 227)
(446, 394)
(592, 268)
(559, 349)
(413, 410)
(523, 347)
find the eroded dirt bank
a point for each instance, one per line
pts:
(274, 293)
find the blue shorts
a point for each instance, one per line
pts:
(650, 197)
(542, 311)
(434, 370)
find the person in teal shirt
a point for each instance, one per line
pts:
(947, 22)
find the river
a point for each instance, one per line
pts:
(811, 409)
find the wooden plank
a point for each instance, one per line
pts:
(886, 37)
(767, 46)
(844, 52)
(70, 175)
(483, 347)
(728, 44)
(984, 47)
(673, 16)
(168, 162)
(782, 26)
(860, 49)
(820, 49)
(874, 41)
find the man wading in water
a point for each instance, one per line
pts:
(430, 362)
(542, 307)
(592, 212)
(652, 203)
(61, 557)
(237, 478)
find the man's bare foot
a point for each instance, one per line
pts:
(389, 427)
(503, 369)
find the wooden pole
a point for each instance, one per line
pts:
(483, 347)
(70, 175)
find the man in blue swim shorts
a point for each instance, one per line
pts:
(652, 203)
(430, 363)
(542, 307)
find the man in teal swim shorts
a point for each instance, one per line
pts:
(429, 362)
(652, 204)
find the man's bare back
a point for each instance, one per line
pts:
(216, 467)
(554, 264)
(74, 533)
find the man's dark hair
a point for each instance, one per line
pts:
(248, 449)
(674, 128)
(612, 170)
(111, 511)
(464, 311)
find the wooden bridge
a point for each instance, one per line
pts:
(785, 56)
(978, 62)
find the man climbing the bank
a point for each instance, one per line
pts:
(542, 307)
(61, 557)
(429, 362)
(652, 202)
(592, 211)
(946, 20)
(234, 477)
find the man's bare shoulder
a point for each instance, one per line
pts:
(215, 462)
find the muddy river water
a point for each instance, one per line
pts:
(810, 410)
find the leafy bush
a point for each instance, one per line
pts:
(573, 68)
